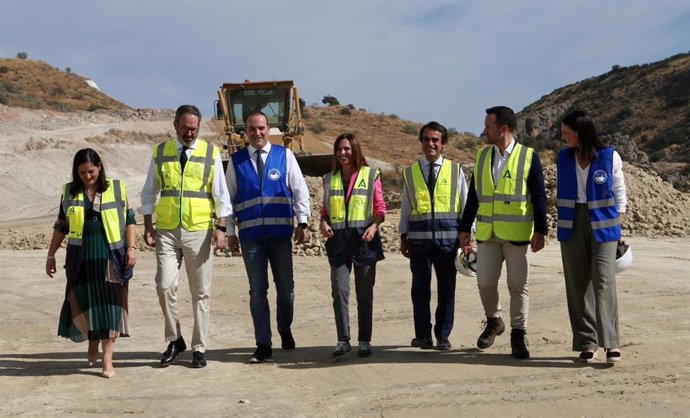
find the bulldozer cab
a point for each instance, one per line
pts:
(272, 102)
(280, 102)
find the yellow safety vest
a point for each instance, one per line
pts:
(186, 198)
(504, 210)
(437, 220)
(359, 210)
(113, 212)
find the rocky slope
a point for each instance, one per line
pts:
(643, 110)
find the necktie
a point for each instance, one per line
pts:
(431, 180)
(259, 165)
(183, 157)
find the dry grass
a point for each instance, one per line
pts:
(383, 137)
(37, 85)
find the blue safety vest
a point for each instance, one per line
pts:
(263, 209)
(603, 213)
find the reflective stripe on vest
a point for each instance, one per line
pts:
(263, 209)
(185, 199)
(359, 210)
(435, 220)
(113, 211)
(505, 210)
(603, 213)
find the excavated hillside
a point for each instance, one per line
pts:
(36, 147)
(643, 110)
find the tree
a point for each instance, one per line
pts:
(22, 55)
(330, 100)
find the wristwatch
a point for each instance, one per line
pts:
(303, 225)
(221, 228)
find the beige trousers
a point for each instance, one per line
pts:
(490, 257)
(172, 247)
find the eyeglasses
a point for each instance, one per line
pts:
(190, 130)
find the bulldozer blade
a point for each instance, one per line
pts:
(315, 165)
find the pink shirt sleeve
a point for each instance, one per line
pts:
(379, 203)
(324, 210)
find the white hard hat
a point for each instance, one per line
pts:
(624, 257)
(466, 264)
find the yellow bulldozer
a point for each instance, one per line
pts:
(280, 102)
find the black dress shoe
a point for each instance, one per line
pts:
(174, 349)
(263, 352)
(423, 343)
(443, 344)
(287, 342)
(198, 360)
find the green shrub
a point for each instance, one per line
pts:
(22, 55)
(345, 111)
(409, 129)
(93, 107)
(330, 101)
(351, 106)
(57, 91)
(317, 128)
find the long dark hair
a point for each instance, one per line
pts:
(588, 140)
(357, 155)
(86, 155)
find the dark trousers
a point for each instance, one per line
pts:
(365, 276)
(444, 266)
(257, 255)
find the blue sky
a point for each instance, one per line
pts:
(421, 60)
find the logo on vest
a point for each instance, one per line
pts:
(600, 177)
(507, 175)
(274, 174)
(362, 183)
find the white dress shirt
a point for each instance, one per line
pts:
(405, 205)
(499, 160)
(219, 188)
(294, 181)
(619, 190)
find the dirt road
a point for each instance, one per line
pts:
(44, 375)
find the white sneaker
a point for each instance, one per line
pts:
(587, 356)
(342, 347)
(613, 356)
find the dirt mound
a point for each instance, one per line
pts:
(655, 208)
(36, 148)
